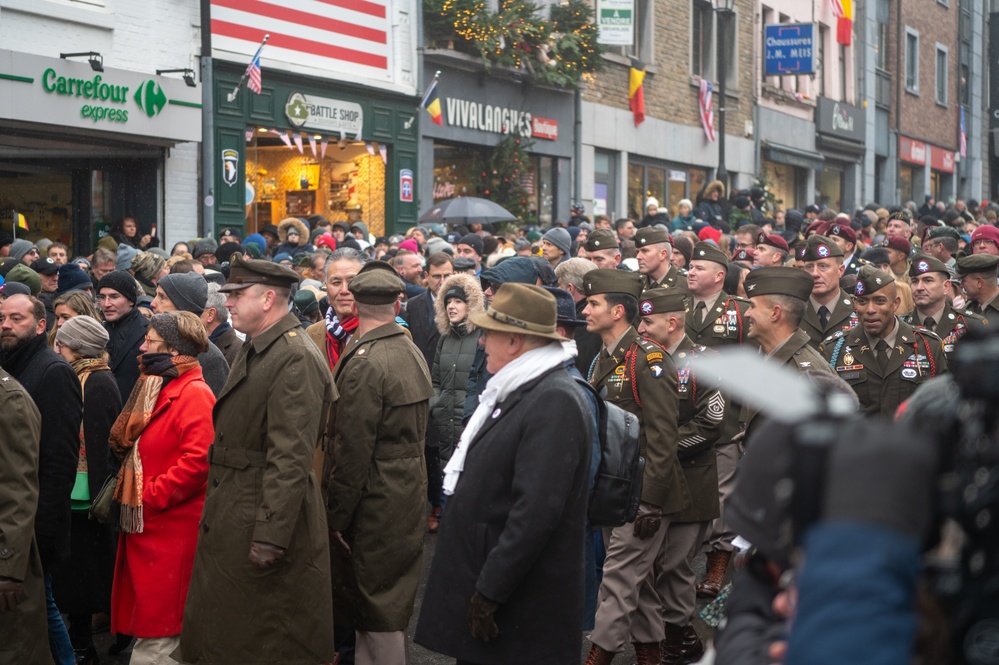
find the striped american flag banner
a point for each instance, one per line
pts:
(346, 36)
(837, 8)
(253, 81)
(707, 113)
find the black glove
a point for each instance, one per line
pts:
(11, 593)
(264, 555)
(480, 618)
(336, 537)
(648, 521)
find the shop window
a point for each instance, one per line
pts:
(905, 182)
(941, 75)
(830, 186)
(604, 181)
(454, 167)
(644, 180)
(911, 60)
(44, 199)
(784, 179)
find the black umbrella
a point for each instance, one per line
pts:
(465, 210)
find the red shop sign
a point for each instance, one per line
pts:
(543, 128)
(942, 160)
(912, 151)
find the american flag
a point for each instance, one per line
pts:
(707, 114)
(253, 74)
(837, 8)
(964, 135)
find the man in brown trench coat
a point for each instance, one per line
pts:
(259, 591)
(379, 482)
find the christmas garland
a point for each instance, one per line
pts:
(559, 50)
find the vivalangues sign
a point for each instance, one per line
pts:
(487, 118)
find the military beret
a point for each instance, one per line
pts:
(377, 283)
(601, 239)
(230, 233)
(744, 255)
(611, 280)
(818, 226)
(651, 235)
(705, 251)
(14, 289)
(45, 266)
(661, 301)
(245, 272)
(876, 256)
(925, 264)
(819, 247)
(844, 231)
(942, 232)
(773, 240)
(870, 280)
(974, 263)
(902, 214)
(780, 281)
(898, 243)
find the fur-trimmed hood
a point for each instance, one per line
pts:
(715, 185)
(303, 230)
(476, 300)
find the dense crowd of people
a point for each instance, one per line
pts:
(232, 452)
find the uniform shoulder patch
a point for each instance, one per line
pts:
(835, 335)
(928, 333)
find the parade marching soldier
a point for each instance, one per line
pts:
(934, 311)
(883, 358)
(638, 376)
(829, 308)
(655, 248)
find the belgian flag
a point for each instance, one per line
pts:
(636, 90)
(432, 103)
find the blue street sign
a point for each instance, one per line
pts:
(790, 49)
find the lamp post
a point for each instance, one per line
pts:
(724, 9)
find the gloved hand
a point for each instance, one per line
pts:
(648, 521)
(339, 541)
(480, 618)
(264, 555)
(11, 593)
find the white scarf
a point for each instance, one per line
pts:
(524, 369)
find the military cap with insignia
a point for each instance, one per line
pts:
(844, 231)
(245, 272)
(977, 263)
(661, 301)
(819, 247)
(601, 239)
(773, 240)
(744, 255)
(779, 281)
(45, 266)
(705, 251)
(377, 283)
(651, 235)
(925, 264)
(871, 280)
(898, 243)
(611, 280)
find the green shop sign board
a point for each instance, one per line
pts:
(300, 104)
(70, 94)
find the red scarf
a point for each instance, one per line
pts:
(336, 344)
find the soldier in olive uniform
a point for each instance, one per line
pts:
(978, 279)
(844, 236)
(263, 550)
(771, 250)
(24, 631)
(934, 311)
(655, 248)
(701, 415)
(603, 248)
(829, 308)
(638, 376)
(379, 480)
(883, 359)
(716, 320)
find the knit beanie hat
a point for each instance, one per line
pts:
(558, 237)
(147, 266)
(122, 282)
(226, 250)
(25, 275)
(204, 246)
(84, 335)
(166, 326)
(72, 278)
(456, 292)
(255, 239)
(20, 247)
(474, 241)
(126, 254)
(305, 301)
(188, 291)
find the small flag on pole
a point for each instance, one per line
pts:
(636, 91)
(252, 73)
(843, 9)
(432, 103)
(706, 110)
(20, 222)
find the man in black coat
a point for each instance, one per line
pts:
(506, 584)
(53, 386)
(117, 293)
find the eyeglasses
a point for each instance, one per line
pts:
(151, 340)
(109, 297)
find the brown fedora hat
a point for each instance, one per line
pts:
(521, 309)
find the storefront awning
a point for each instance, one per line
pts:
(783, 154)
(840, 147)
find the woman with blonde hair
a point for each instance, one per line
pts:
(68, 305)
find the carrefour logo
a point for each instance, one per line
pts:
(150, 98)
(98, 93)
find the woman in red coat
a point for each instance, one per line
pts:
(162, 438)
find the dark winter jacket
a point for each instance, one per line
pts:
(228, 341)
(53, 386)
(419, 317)
(214, 367)
(652, 220)
(126, 336)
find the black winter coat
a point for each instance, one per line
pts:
(123, 346)
(514, 532)
(53, 386)
(419, 316)
(449, 374)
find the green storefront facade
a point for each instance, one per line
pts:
(319, 122)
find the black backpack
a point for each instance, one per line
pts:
(617, 488)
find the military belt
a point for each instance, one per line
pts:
(236, 458)
(398, 450)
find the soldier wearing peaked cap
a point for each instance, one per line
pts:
(829, 308)
(637, 375)
(883, 358)
(978, 278)
(934, 311)
(655, 248)
(603, 248)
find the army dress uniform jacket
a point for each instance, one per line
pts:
(379, 483)
(640, 377)
(990, 311)
(916, 358)
(841, 318)
(24, 633)
(268, 421)
(674, 277)
(952, 326)
(701, 415)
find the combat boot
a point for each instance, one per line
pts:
(647, 653)
(717, 566)
(693, 648)
(599, 656)
(672, 646)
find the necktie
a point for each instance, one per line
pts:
(823, 317)
(976, 308)
(882, 349)
(929, 323)
(700, 311)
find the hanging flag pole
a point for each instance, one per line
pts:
(423, 102)
(255, 62)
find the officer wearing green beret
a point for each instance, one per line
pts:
(829, 308)
(701, 415)
(379, 481)
(637, 375)
(716, 320)
(883, 358)
(934, 311)
(978, 278)
(655, 248)
(603, 248)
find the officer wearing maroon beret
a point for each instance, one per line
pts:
(844, 236)
(771, 250)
